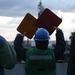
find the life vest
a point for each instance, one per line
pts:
(40, 62)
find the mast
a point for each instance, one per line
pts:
(40, 8)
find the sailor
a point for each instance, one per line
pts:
(7, 56)
(71, 62)
(41, 60)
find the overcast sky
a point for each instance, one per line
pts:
(13, 11)
(20, 7)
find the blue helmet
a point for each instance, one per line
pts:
(41, 35)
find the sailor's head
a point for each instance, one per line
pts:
(42, 37)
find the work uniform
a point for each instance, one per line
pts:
(40, 62)
(71, 62)
(37, 63)
(7, 56)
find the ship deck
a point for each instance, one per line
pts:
(19, 69)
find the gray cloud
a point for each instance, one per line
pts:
(18, 8)
(60, 4)
(73, 20)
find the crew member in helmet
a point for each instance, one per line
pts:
(41, 60)
(7, 56)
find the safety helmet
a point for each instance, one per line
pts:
(41, 35)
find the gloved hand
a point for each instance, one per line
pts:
(58, 29)
(1, 41)
(22, 34)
